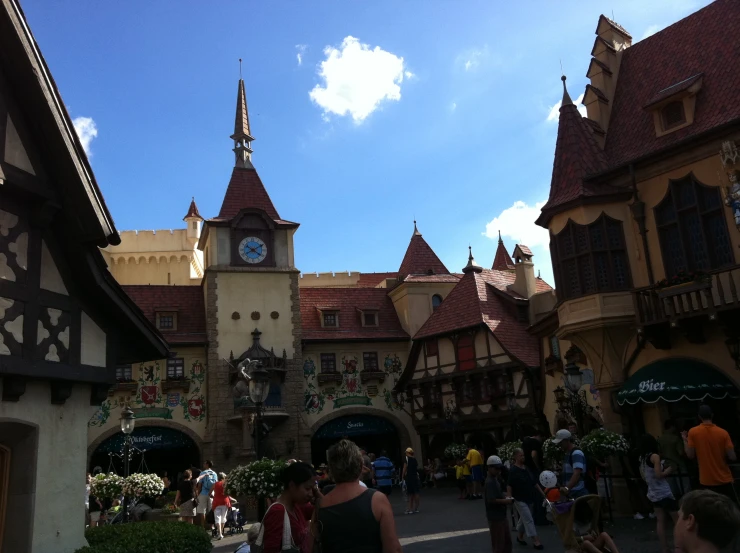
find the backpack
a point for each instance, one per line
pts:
(589, 479)
(209, 480)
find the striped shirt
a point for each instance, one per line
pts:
(383, 471)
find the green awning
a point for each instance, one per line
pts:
(674, 380)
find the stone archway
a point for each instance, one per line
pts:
(145, 423)
(402, 433)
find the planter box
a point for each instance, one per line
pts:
(367, 376)
(329, 377)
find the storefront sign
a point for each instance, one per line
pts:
(355, 425)
(153, 413)
(149, 438)
(351, 400)
(650, 386)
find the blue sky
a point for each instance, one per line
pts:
(438, 110)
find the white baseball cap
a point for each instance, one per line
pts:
(561, 435)
(494, 461)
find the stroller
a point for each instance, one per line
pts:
(235, 521)
(562, 514)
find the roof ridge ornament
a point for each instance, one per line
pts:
(472, 266)
(416, 230)
(566, 97)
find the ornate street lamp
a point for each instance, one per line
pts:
(573, 377)
(128, 422)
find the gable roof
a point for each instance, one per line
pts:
(347, 301)
(577, 154)
(708, 42)
(420, 259)
(476, 301)
(187, 301)
(246, 190)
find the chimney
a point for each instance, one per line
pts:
(611, 41)
(525, 283)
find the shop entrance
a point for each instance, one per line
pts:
(163, 449)
(372, 433)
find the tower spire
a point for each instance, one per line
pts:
(242, 137)
(472, 266)
(566, 96)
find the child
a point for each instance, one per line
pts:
(591, 541)
(707, 522)
(460, 478)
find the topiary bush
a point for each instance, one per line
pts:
(147, 537)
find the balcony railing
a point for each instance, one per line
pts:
(716, 292)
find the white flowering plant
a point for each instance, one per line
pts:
(506, 451)
(143, 485)
(259, 478)
(553, 454)
(106, 486)
(602, 443)
(456, 451)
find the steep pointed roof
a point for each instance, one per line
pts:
(420, 259)
(577, 155)
(192, 211)
(502, 261)
(246, 190)
(241, 121)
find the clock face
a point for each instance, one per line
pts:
(252, 249)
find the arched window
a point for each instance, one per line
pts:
(692, 228)
(590, 258)
(436, 300)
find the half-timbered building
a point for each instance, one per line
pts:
(65, 324)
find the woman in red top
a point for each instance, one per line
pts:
(221, 504)
(299, 488)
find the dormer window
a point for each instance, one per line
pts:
(673, 115)
(166, 320)
(330, 319)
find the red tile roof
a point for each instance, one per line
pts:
(612, 24)
(420, 259)
(473, 302)
(525, 250)
(673, 89)
(502, 261)
(371, 280)
(707, 42)
(246, 190)
(432, 278)
(192, 211)
(347, 301)
(577, 155)
(186, 300)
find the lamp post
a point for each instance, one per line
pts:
(512, 405)
(259, 388)
(128, 422)
(579, 406)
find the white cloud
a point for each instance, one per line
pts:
(300, 50)
(409, 75)
(453, 106)
(471, 59)
(554, 113)
(650, 31)
(517, 222)
(357, 79)
(86, 130)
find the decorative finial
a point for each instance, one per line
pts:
(566, 97)
(240, 69)
(499, 237)
(472, 265)
(416, 230)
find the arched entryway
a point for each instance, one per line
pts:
(370, 430)
(163, 448)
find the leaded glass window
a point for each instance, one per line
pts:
(590, 258)
(692, 228)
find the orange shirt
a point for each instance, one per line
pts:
(710, 442)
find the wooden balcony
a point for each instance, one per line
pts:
(708, 296)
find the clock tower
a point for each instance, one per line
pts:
(251, 289)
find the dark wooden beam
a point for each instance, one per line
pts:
(61, 390)
(15, 366)
(13, 388)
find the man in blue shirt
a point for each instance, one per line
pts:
(574, 466)
(384, 473)
(206, 480)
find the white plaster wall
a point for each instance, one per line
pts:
(59, 509)
(92, 351)
(50, 278)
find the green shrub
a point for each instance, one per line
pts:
(147, 537)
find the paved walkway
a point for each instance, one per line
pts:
(446, 525)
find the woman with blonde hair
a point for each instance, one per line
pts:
(221, 504)
(352, 518)
(411, 476)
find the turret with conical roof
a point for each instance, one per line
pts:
(420, 259)
(577, 155)
(502, 260)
